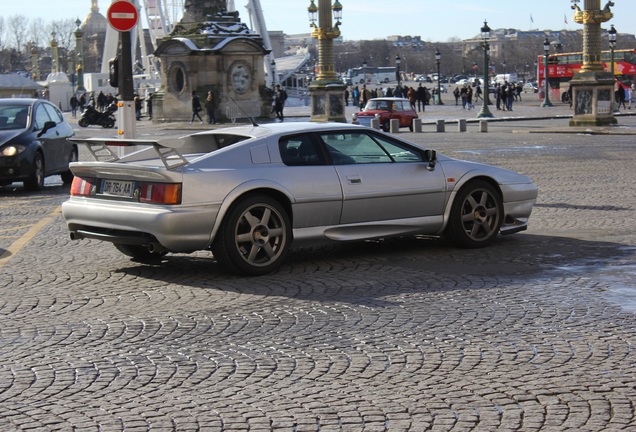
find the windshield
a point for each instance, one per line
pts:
(13, 117)
(379, 105)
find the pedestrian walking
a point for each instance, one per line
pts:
(74, 104)
(196, 107)
(421, 98)
(149, 104)
(210, 106)
(632, 96)
(280, 96)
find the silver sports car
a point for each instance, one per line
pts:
(249, 193)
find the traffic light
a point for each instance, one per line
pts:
(113, 72)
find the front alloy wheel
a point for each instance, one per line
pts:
(35, 182)
(476, 215)
(254, 237)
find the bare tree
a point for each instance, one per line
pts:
(18, 30)
(37, 32)
(65, 33)
(1, 32)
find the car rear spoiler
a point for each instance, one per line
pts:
(102, 150)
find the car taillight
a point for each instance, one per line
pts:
(160, 193)
(83, 186)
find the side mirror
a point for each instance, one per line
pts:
(47, 125)
(431, 157)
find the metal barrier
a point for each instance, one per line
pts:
(242, 109)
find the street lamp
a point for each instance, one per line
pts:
(364, 70)
(327, 91)
(612, 43)
(438, 57)
(273, 69)
(398, 60)
(485, 36)
(546, 50)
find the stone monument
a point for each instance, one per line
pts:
(211, 50)
(592, 87)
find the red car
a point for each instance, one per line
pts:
(386, 109)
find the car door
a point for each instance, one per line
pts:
(384, 179)
(48, 139)
(311, 180)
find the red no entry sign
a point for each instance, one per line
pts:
(122, 16)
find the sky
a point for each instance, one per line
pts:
(432, 20)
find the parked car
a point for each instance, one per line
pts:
(424, 78)
(250, 193)
(387, 109)
(530, 87)
(33, 143)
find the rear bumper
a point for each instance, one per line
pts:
(175, 228)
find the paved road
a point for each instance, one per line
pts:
(534, 333)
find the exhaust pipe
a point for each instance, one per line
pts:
(156, 248)
(74, 235)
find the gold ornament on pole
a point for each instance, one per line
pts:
(326, 91)
(592, 86)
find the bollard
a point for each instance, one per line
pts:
(394, 126)
(375, 123)
(483, 125)
(461, 125)
(417, 125)
(441, 126)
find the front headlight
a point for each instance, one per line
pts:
(13, 150)
(354, 117)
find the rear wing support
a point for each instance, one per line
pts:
(102, 150)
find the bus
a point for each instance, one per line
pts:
(563, 66)
(378, 75)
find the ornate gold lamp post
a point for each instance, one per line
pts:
(327, 91)
(485, 36)
(592, 87)
(79, 47)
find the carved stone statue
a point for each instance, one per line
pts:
(202, 10)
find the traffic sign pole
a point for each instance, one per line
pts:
(123, 17)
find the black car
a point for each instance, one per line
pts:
(33, 143)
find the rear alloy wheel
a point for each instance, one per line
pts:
(386, 126)
(139, 253)
(476, 215)
(254, 237)
(35, 182)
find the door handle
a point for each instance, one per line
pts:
(354, 180)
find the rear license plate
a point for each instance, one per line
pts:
(117, 188)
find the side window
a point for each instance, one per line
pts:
(362, 148)
(398, 106)
(300, 150)
(397, 151)
(54, 113)
(41, 117)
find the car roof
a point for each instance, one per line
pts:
(269, 129)
(392, 99)
(17, 101)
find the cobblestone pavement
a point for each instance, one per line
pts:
(534, 333)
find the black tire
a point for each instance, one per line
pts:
(386, 126)
(139, 253)
(108, 123)
(67, 176)
(565, 98)
(35, 182)
(254, 237)
(476, 215)
(411, 126)
(83, 122)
